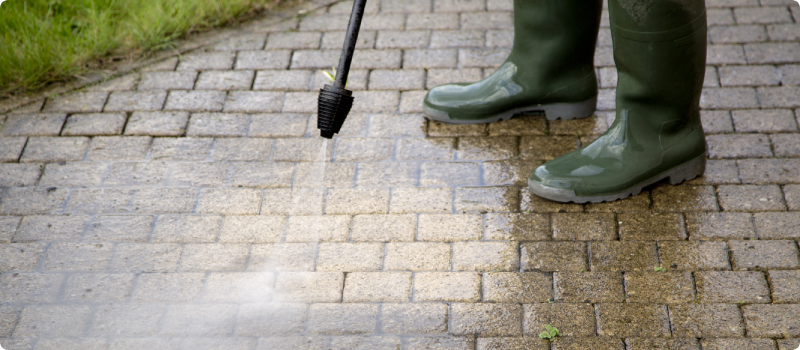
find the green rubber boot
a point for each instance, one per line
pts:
(660, 52)
(550, 69)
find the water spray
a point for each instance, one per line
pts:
(334, 100)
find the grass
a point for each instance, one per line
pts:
(45, 41)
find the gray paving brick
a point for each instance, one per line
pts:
(487, 20)
(51, 228)
(762, 15)
(725, 54)
(199, 320)
(27, 201)
(316, 287)
(772, 120)
(98, 287)
(486, 199)
(271, 319)
(235, 201)
(340, 319)
(760, 53)
(629, 320)
(19, 175)
(78, 257)
(180, 148)
(785, 286)
(163, 65)
(268, 59)
(78, 174)
(53, 321)
(396, 80)
(751, 198)
(432, 21)
(446, 286)
(772, 97)
(146, 257)
(134, 101)
(777, 225)
(737, 34)
(8, 226)
(553, 256)
(125, 82)
(94, 124)
(20, 256)
(225, 80)
(46, 124)
(738, 146)
(119, 228)
(516, 287)
(717, 226)
(90, 201)
(167, 80)
(281, 80)
(214, 257)
(334, 40)
(245, 42)
(485, 256)
(440, 76)
(458, 5)
(792, 195)
(217, 124)
(126, 320)
(436, 58)
(78, 102)
(771, 320)
(254, 101)
(294, 40)
(164, 200)
(768, 170)
(384, 21)
(207, 60)
(380, 286)
(105, 148)
(11, 148)
(733, 343)
(780, 254)
(724, 98)
(782, 32)
(412, 39)
(407, 318)
(201, 101)
(484, 58)
(328, 228)
(157, 123)
(486, 319)
(786, 145)
(410, 101)
(201, 174)
(282, 257)
(790, 74)
(411, 6)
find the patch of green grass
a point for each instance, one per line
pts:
(550, 333)
(660, 269)
(45, 41)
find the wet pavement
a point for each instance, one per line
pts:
(191, 204)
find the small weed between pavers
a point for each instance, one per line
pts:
(549, 301)
(550, 333)
(660, 269)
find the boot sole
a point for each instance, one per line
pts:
(564, 111)
(684, 172)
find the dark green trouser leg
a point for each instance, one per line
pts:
(660, 52)
(550, 69)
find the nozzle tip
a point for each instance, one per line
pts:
(326, 134)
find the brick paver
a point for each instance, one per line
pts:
(192, 205)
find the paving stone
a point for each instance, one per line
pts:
(788, 344)
(19, 175)
(199, 320)
(486, 199)
(725, 54)
(458, 5)
(293, 342)
(440, 129)
(449, 227)
(21, 256)
(125, 82)
(737, 34)
(27, 201)
(335, 174)
(675, 343)
(361, 150)
(282, 257)
(751, 198)
(785, 286)
(396, 79)
(760, 53)
(786, 145)
(225, 80)
(119, 228)
(515, 343)
(277, 125)
(553, 256)
(383, 228)
(485, 256)
(301, 150)
(570, 319)
(546, 147)
(484, 58)
(409, 318)
(721, 98)
(599, 343)
(54, 149)
(378, 286)
(627, 320)
(334, 40)
(146, 343)
(78, 257)
(738, 146)
(349, 257)
(207, 60)
(201, 174)
(659, 287)
(98, 287)
(449, 174)
(214, 257)
(762, 15)
(167, 80)
(118, 148)
(583, 227)
(186, 228)
(52, 321)
(432, 21)
(761, 171)
(771, 320)
(180, 148)
(684, 198)
(51, 228)
(651, 226)
(340, 319)
(11, 148)
(457, 38)
(516, 227)
(410, 102)
(8, 225)
(694, 255)
(417, 256)
(300, 201)
(445, 343)
(65, 343)
(486, 319)
(430, 58)
(271, 319)
(731, 287)
(447, 286)
(267, 59)
(134, 101)
(242, 149)
(281, 80)
(100, 201)
(94, 124)
(165, 200)
(425, 149)
(516, 287)
(239, 287)
(199, 101)
(157, 123)
(328, 228)
(719, 172)
(255, 42)
(229, 201)
(588, 287)
(743, 343)
(79, 102)
(777, 225)
(715, 121)
(20, 288)
(780, 254)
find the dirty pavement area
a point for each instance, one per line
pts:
(191, 204)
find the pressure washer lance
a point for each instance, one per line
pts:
(335, 101)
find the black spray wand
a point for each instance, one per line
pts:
(335, 101)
